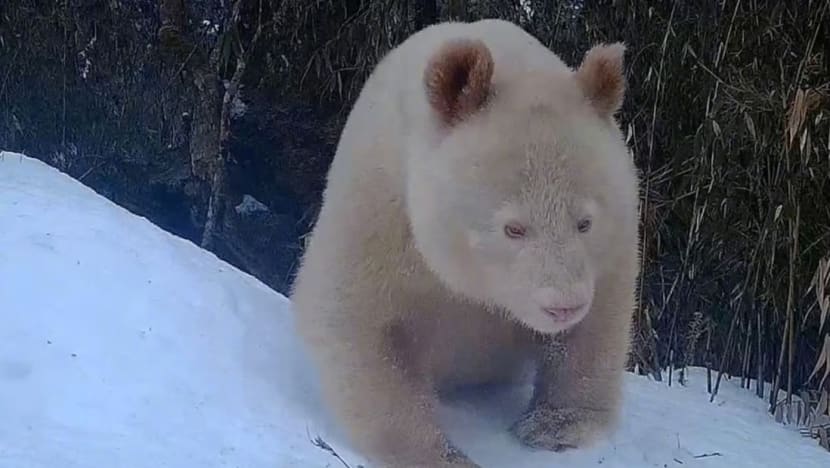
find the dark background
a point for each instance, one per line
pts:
(186, 111)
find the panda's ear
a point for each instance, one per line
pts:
(602, 78)
(457, 80)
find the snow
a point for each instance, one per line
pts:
(250, 205)
(122, 345)
(238, 107)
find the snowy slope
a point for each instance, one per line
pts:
(124, 346)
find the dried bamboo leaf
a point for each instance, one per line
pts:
(798, 412)
(750, 126)
(821, 279)
(823, 356)
(795, 116)
(827, 360)
(823, 403)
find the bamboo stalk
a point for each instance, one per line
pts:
(790, 300)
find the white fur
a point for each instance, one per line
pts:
(409, 283)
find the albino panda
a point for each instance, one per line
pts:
(480, 214)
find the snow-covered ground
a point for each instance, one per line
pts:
(124, 346)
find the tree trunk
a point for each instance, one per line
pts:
(206, 161)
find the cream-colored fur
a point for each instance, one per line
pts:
(412, 282)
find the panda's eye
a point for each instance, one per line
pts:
(514, 230)
(584, 225)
